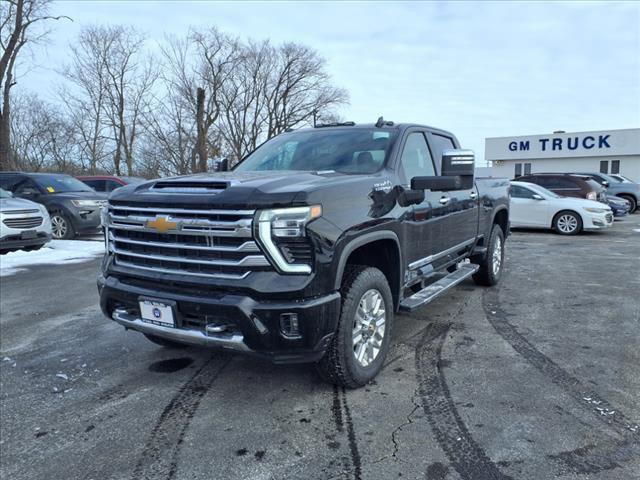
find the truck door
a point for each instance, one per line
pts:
(424, 228)
(461, 205)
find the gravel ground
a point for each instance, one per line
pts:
(537, 378)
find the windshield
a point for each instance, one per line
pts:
(354, 151)
(4, 194)
(60, 184)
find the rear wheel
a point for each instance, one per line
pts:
(490, 269)
(359, 346)
(567, 223)
(164, 342)
(632, 201)
(61, 228)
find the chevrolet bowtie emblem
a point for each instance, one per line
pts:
(161, 224)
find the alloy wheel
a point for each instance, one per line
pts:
(59, 227)
(496, 260)
(369, 327)
(567, 223)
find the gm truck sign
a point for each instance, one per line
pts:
(559, 145)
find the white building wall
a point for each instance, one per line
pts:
(629, 165)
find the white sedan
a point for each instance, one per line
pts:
(533, 206)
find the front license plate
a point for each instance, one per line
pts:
(28, 234)
(157, 312)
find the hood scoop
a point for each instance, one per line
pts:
(189, 186)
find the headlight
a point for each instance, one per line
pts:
(104, 216)
(592, 196)
(285, 223)
(85, 203)
(597, 210)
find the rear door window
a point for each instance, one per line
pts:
(97, 185)
(441, 143)
(416, 158)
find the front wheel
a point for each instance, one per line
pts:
(567, 223)
(633, 204)
(61, 228)
(359, 346)
(490, 269)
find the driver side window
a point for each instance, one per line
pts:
(416, 158)
(26, 187)
(521, 192)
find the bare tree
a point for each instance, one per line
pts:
(112, 76)
(18, 21)
(300, 89)
(42, 136)
(84, 96)
(200, 66)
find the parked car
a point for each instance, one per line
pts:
(621, 178)
(619, 206)
(304, 252)
(73, 206)
(627, 190)
(23, 224)
(108, 183)
(568, 185)
(533, 206)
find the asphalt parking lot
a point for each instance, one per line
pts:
(537, 378)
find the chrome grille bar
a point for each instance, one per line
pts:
(249, 246)
(182, 210)
(175, 271)
(248, 261)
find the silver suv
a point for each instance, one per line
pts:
(23, 224)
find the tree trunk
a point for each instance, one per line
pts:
(6, 157)
(201, 139)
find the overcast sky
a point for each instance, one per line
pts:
(479, 70)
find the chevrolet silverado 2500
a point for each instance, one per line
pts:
(307, 248)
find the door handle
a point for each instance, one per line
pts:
(473, 195)
(444, 200)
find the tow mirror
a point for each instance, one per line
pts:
(458, 162)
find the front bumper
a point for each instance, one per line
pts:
(597, 221)
(15, 241)
(248, 325)
(85, 219)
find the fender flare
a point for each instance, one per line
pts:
(364, 240)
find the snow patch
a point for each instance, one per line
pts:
(56, 252)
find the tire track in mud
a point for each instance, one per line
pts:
(590, 459)
(159, 458)
(342, 418)
(465, 455)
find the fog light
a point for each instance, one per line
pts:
(289, 325)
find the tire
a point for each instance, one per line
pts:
(352, 358)
(163, 342)
(61, 227)
(492, 265)
(567, 222)
(632, 201)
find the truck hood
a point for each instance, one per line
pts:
(240, 190)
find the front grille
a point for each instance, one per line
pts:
(29, 222)
(185, 241)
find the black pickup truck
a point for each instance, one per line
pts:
(306, 249)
